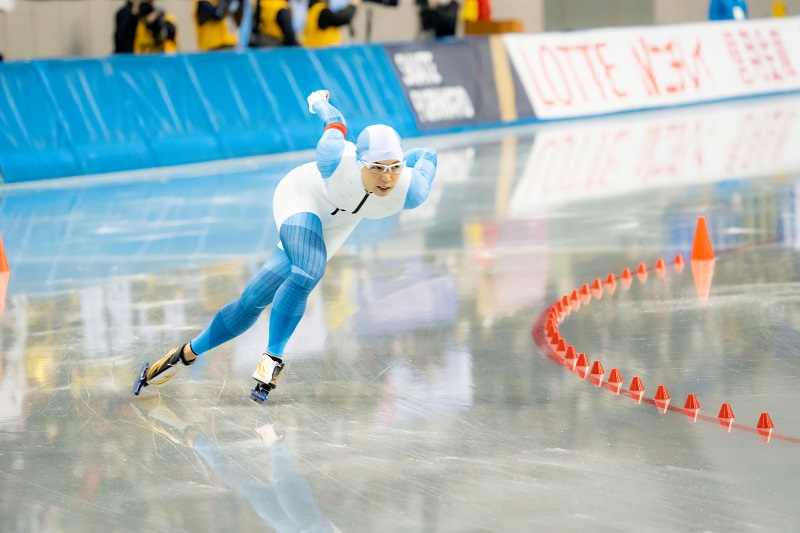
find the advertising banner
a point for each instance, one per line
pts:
(612, 70)
(449, 84)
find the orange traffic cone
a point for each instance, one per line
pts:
(765, 427)
(662, 399)
(702, 250)
(702, 260)
(726, 417)
(691, 407)
(679, 263)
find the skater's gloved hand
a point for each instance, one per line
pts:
(416, 155)
(317, 96)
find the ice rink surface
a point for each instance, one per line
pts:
(415, 397)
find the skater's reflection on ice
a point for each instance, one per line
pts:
(280, 494)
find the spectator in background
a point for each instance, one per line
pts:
(324, 20)
(484, 9)
(272, 24)
(727, 10)
(438, 17)
(156, 30)
(125, 29)
(474, 10)
(213, 18)
(299, 16)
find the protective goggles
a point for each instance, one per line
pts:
(377, 168)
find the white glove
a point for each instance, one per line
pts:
(317, 96)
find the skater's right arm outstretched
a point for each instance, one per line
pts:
(331, 145)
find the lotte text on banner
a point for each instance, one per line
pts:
(614, 70)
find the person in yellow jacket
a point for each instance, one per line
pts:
(272, 24)
(323, 22)
(212, 18)
(156, 31)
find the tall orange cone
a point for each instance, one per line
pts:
(702, 249)
(5, 272)
(702, 260)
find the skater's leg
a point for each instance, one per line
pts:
(239, 315)
(229, 322)
(302, 239)
(301, 236)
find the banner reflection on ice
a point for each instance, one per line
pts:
(578, 161)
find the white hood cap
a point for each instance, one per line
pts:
(379, 142)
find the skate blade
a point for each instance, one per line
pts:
(140, 382)
(259, 393)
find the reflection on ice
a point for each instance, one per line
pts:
(262, 472)
(601, 158)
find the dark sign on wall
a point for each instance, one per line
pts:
(449, 84)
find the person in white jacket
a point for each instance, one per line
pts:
(316, 206)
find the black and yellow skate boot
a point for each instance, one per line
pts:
(162, 370)
(266, 376)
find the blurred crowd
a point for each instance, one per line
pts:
(143, 27)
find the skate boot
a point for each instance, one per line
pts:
(266, 376)
(162, 370)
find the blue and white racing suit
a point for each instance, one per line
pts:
(316, 207)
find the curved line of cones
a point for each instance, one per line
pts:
(551, 343)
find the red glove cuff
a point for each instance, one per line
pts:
(337, 126)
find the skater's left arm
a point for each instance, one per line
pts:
(331, 145)
(423, 169)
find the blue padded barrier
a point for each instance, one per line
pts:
(103, 130)
(33, 141)
(242, 109)
(86, 116)
(169, 108)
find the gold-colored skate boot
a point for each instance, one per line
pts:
(266, 376)
(162, 370)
